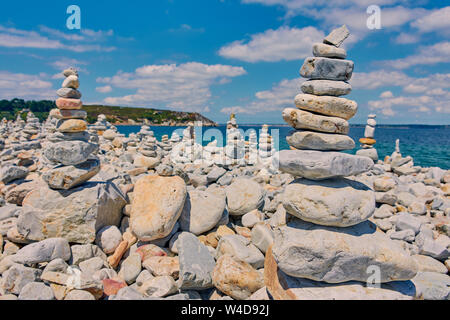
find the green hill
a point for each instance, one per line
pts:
(116, 115)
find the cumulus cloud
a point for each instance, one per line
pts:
(182, 87)
(437, 20)
(52, 39)
(104, 89)
(274, 45)
(280, 96)
(25, 86)
(427, 55)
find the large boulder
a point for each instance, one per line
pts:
(75, 214)
(316, 165)
(202, 211)
(333, 202)
(336, 255)
(244, 195)
(69, 152)
(156, 206)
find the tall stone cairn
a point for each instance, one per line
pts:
(330, 239)
(68, 151)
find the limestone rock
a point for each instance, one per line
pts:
(336, 255)
(326, 88)
(326, 105)
(156, 206)
(327, 51)
(299, 119)
(334, 202)
(319, 141)
(68, 177)
(69, 152)
(318, 68)
(236, 278)
(75, 214)
(44, 251)
(244, 195)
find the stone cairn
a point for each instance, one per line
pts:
(330, 240)
(266, 146)
(235, 144)
(31, 129)
(165, 145)
(368, 141)
(68, 151)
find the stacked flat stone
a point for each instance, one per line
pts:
(368, 141)
(165, 145)
(235, 144)
(132, 143)
(266, 146)
(31, 129)
(330, 239)
(68, 151)
(145, 131)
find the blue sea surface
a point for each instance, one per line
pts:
(428, 145)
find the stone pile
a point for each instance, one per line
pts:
(235, 145)
(330, 240)
(147, 153)
(31, 129)
(68, 151)
(165, 145)
(368, 141)
(266, 146)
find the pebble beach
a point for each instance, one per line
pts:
(90, 213)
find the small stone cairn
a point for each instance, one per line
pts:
(368, 141)
(330, 240)
(68, 151)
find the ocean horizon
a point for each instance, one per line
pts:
(426, 144)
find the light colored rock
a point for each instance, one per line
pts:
(384, 184)
(69, 93)
(369, 153)
(318, 68)
(337, 36)
(196, 263)
(328, 51)
(92, 265)
(337, 202)
(315, 165)
(156, 206)
(72, 125)
(108, 238)
(10, 173)
(75, 214)
(327, 105)
(408, 222)
(163, 266)
(310, 140)
(71, 82)
(68, 177)
(251, 218)
(336, 255)
(146, 162)
(239, 247)
(236, 278)
(202, 211)
(44, 251)
(300, 119)
(80, 295)
(158, 287)
(131, 268)
(262, 236)
(17, 276)
(432, 285)
(429, 264)
(36, 291)
(244, 195)
(69, 104)
(69, 152)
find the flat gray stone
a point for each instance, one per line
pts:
(10, 173)
(337, 36)
(318, 68)
(327, 105)
(68, 177)
(17, 276)
(196, 263)
(75, 214)
(328, 51)
(310, 140)
(69, 152)
(69, 93)
(326, 88)
(336, 255)
(316, 165)
(44, 251)
(36, 291)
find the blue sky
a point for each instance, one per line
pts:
(222, 56)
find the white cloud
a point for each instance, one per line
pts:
(274, 45)
(379, 78)
(280, 96)
(24, 86)
(406, 38)
(433, 54)
(186, 28)
(104, 89)
(236, 109)
(182, 87)
(386, 94)
(54, 39)
(438, 20)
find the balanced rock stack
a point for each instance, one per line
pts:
(165, 145)
(235, 147)
(68, 149)
(368, 141)
(266, 149)
(147, 153)
(330, 239)
(32, 128)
